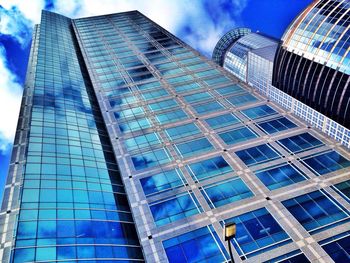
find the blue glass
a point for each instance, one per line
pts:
(187, 87)
(163, 105)
(326, 162)
(300, 142)
(225, 192)
(163, 181)
(174, 208)
(344, 189)
(201, 245)
(258, 154)
(209, 168)
(196, 97)
(182, 131)
(256, 232)
(134, 125)
(172, 116)
(150, 159)
(338, 247)
(235, 88)
(316, 211)
(240, 100)
(208, 107)
(238, 135)
(154, 94)
(259, 112)
(196, 146)
(222, 120)
(142, 141)
(276, 125)
(280, 176)
(127, 113)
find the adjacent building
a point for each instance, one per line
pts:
(131, 147)
(313, 62)
(307, 72)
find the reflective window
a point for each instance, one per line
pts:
(257, 232)
(276, 125)
(132, 112)
(344, 189)
(326, 162)
(174, 208)
(201, 245)
(235, 88)
(280, 176)
(163, 181)
(190, 148)
(187, 87)
(237, 135)
(150, 159)
(222, 193)
(209, 168)
(258, 154)
(338, 247)
(173, 116)
(182, 131)
(196, 97)
(316, 211)
(142, 141)
(134, 125)
(259, 112)
(207, 107)
(222, 120)
(300, 142)
(155, 94)
(217, 80)
(240, 100)
(163, 105)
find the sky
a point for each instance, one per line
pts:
(200, 23)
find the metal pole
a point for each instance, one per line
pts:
(230, 249)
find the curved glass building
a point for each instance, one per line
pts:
(232, 52)
(313, 62)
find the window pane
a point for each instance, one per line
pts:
(174, 208)
(316, 211)
(300, 142)
(150, 159)
(237, 135)
(209, 168)
(222, 121)
(257, 232)
(201, 245)
(258, 154)
(276, 125)
(326, 162)
(163, 181)
(277, 177)
(259, 112)
(225, 192)
(190, 148)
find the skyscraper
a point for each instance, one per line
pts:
(313, 62)
(307, 72)
(131, 146)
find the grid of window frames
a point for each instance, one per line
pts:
(169, 109)
(73, 203)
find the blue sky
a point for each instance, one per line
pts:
(199, 23)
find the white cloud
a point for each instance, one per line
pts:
(199, 23)
(10, 100)
(18, 18)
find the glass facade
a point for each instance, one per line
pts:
(313, 62)
(136, 148)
